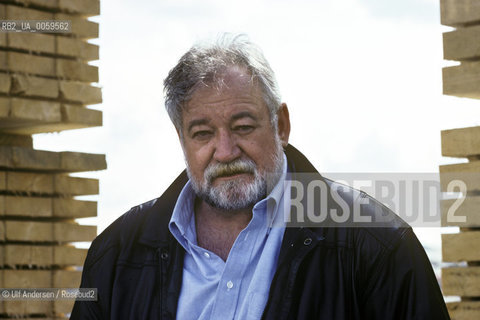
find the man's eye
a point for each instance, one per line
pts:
(202, 134)
(244, 129)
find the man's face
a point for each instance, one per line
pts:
(233, 153)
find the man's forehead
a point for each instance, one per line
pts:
(200, 112)
(236, 85)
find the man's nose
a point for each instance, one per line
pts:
(226, 148)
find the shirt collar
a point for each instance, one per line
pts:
(275, 197)
(182, 223)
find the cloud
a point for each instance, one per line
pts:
(422, 11)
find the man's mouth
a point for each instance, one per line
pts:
(231, 174)
(230, 171)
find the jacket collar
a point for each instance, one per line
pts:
(155, 233)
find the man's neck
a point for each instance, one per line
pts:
(218, 229)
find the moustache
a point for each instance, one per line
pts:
(229, 169)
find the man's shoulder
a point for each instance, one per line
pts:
(145, 224)
(124, 230)
(366, 248)
(368, 225)
(373, 226)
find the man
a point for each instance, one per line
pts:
(216, 244)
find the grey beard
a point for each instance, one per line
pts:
(238, 194)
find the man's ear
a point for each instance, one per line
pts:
(283, 124)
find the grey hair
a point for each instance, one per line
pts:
(205, 63)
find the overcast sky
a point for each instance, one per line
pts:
(362, 79)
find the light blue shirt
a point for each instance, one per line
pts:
(237, 288)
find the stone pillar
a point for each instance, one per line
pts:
(462, 249)
(46, 84)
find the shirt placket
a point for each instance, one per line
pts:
(230, 284)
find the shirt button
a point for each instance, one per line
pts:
(229, 284)
(207, 255)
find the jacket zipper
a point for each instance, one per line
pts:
(163, 257)
(160, 276)
(307, 245)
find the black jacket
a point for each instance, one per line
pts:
(323, 273)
